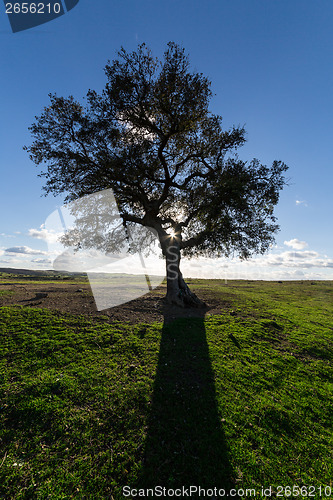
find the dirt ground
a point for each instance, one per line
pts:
(78, 299)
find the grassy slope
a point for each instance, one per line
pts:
(237, 399)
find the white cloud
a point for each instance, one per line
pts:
(301, 255)
(42, 261)
(4, 235)
(24, 250)
(44, 234)
(301, 202)
(305, 259)
(285, 265)
(297, 244)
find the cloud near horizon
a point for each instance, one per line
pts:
(24, 250)
(42, 261)
(295, 262)
(305, 259)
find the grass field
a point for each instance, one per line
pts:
(236, 400)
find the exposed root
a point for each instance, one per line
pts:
(184, 297)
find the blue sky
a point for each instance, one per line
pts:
(271, 67)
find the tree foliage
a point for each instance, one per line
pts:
(151, 137)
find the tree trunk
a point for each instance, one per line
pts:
(177, 290)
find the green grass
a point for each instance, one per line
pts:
(6, 292)
(242, 399)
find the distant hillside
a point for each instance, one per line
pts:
(32, 272)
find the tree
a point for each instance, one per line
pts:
(150, 136)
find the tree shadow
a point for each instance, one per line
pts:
(185, 442)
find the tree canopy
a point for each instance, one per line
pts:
(151, 137)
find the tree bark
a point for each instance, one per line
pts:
(177, 290)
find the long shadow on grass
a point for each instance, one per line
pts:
(185, 442)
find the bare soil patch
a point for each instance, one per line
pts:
(78, 299)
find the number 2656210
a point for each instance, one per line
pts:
(33, 8)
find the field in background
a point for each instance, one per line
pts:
(239, 399)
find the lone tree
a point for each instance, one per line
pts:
(150, 136)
